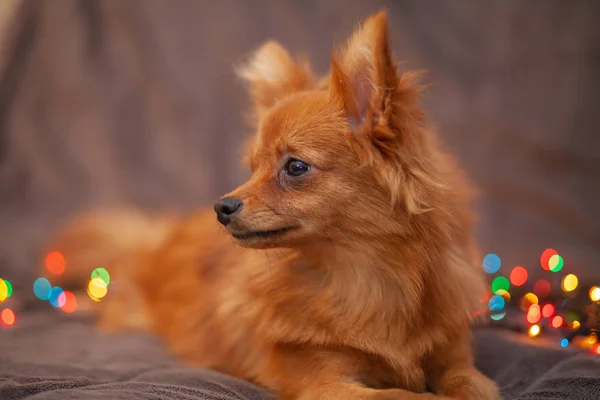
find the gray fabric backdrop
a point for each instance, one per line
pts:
(122, 101)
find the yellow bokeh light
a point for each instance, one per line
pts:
(97, 289)
(569, 283)
(534, 330)
(595, 293)
(504, 294)
(3, 290)
(575, 325)
(528, 300)
(592, 339)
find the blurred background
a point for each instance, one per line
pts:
(113, 102)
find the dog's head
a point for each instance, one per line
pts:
(332, 158)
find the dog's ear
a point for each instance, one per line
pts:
(364, 76)
(272, 74)
(382, 111)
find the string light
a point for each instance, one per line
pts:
(70, 302)
(504, 294)
(55, 263)
(534, 330)
(56, 297)
(101, 273)
(528, 300)
(575, 325)
(569, 283)
(555, 263)
(548, 310)
(497, 316)
(500, 283)
(564, 342)
(491, 263)
(97, 289)
(534, 314)
(42, 288)
(557, 321)
(592, 338)
(8, 317)
(545, 258)
(542, 288)
(3, 290)
(9, 288)
(595, 293)
(518, 276)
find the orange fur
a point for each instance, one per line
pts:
(369, 296)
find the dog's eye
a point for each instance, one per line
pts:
(296, 168)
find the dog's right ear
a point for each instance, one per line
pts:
(272, 74)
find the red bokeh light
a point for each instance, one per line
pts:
(534, 314)
(8, 316)
(55, 263)
(557, 321)
(518, 276)
(542, 288)
(545, 258)
(548, 310)
(70, 304)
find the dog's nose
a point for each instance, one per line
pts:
(226, 207)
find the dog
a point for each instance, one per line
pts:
(344, 268)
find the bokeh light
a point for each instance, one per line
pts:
(569, 283)
(8, 317)
(70, 303)
(496, 303)
(548, 310)
(542, 288)
(55, 263)
(545, 258)
(534, 314)
(557, 321)
(500, 283)
(491, 263)
(56, 297)
(518, 276)
(595, 293)
(575, 325)
(504, 294)
(497, 315)
(597, 350)
(555, 263)
(9, 288)
(3, 290)
(101, 273)
(528, 300)
(564, 342)
(592, 338)
(534, 330)
(42, 288)
(97, 289)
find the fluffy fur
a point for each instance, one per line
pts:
(368, 294)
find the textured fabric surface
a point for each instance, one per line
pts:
(56, 357)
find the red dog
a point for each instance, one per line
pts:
(349, 272)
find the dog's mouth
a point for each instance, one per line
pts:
(263, 234)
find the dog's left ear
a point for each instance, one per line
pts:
(272, 74)
(364, 76)
(381, 107)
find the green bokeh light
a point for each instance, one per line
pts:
(102, 274)
(500, 283)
